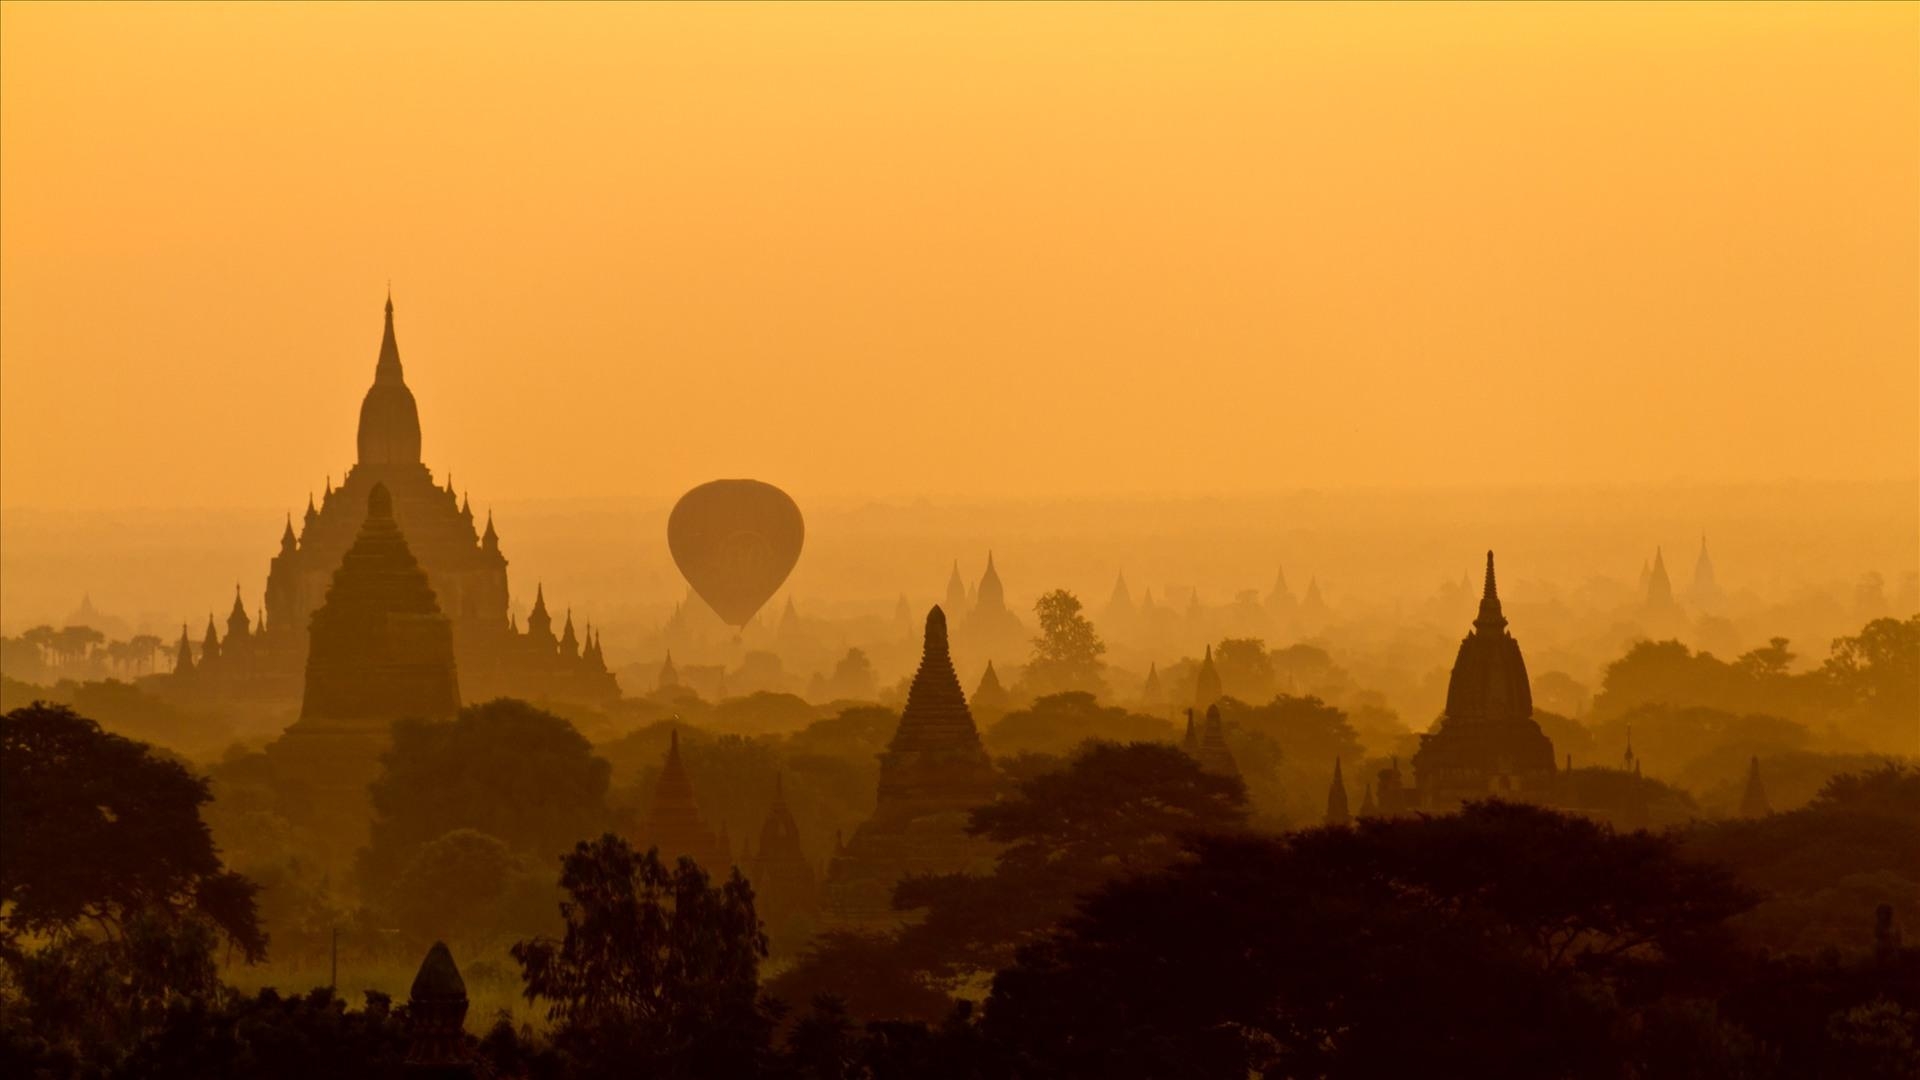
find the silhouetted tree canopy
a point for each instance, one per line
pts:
(1114, 810)
(1066, 654)
(505, 768)
(657, 971)
(1057, 723)
(1424, 946)
(97, 828)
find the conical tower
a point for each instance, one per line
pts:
(674, 824)
(183, 656)
(990, 698)
(935, 762)
(1206, 685)
(380, 647)
(1487, 742)
(1659, 586)
(956, 590)
(389, 417)
(1337, 798)
(933, 774)
(991, 596)
(436, 1020)
(784, 886)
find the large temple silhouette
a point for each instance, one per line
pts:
(263, 660)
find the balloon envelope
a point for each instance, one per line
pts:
(735, 541)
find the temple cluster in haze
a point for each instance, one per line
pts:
(401, 762)
(388, 601)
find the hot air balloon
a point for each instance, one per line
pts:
(735, 542)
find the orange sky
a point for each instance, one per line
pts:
(958, 250)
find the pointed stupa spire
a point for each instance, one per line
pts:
(1659, 585)
(569, 644)
(312, 514)
(288, 541)
(1754, 804)
(936, 719)
(490, 539)
(1121, 602)
(1280, 597)
(1314, 603)
(387, 368)
(991, 596)
(1491, 618)
(389, 418)
(1368, 807)
(1151, 693)
(1206, 685)
(989, 684)
(183, 657)
(1337, 798)
(674, 824)
(956, 589)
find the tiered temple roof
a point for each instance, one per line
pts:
(1210, 745)
(381, 649)
(1206, 685)
(1487, 742)
(933, 773)
(674, 823)
(784, 884)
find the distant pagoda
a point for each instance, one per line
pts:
(1206, 743)
(933, 773)
(1207, 689)
(1487, 742)
(674, 824)
(786, 890)
(436, 1021)
(1337, 798)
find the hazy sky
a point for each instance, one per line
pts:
(970, 250)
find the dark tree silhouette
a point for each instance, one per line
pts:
(1396, 947)
(96, 828)
(657, 972)
(505, 768)
(1066, 655)
(1115, 810)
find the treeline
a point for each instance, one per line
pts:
(1138, 924)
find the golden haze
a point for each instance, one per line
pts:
(958, 250)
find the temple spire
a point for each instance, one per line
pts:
(1337, 798)
(1491, 617)
(388, 367)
